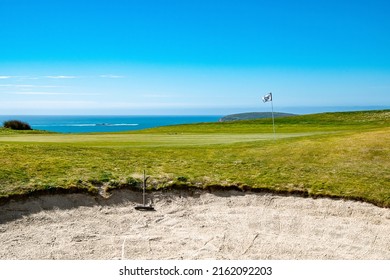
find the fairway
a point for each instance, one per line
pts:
(133, 139)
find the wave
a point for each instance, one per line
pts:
(116, 124)
(88, 124)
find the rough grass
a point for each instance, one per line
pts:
(344, 155)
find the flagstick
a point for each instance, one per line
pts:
(273, 120)
(266, 98)
(143, 189)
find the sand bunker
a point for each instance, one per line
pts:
(218, 225)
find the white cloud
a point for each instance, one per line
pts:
(140, 105)
(28, 86)
(17, 77)
(39, 93)
(52, 93)
(61, 77)
(29, 78)
(111, 76)
(88, 104)
(8, 85)
(45, 105)
(157, 95)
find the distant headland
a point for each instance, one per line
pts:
(253, 115)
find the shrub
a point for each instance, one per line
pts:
(17, 125)
(182, 179)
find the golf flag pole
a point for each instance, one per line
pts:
(268, 98)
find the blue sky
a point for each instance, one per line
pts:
(191, 57)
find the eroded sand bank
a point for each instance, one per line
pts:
(218, 225)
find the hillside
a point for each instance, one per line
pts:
(339, 121)
(253, 115)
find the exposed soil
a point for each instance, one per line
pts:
(193, 225)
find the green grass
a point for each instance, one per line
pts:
(345, 155)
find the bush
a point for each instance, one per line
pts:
(182, 179)
(17, 125)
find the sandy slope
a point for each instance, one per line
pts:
(221, 225)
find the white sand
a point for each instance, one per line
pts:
(221, 225)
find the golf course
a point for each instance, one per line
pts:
(317, 189)
(336, 155)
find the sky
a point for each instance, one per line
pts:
(133, 57)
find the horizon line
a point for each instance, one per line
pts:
(346, 109)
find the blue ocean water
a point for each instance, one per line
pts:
(82, 124)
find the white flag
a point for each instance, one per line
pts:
(267, 97)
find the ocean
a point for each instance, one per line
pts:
(83, 124)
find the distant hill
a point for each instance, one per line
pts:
(253, 115)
